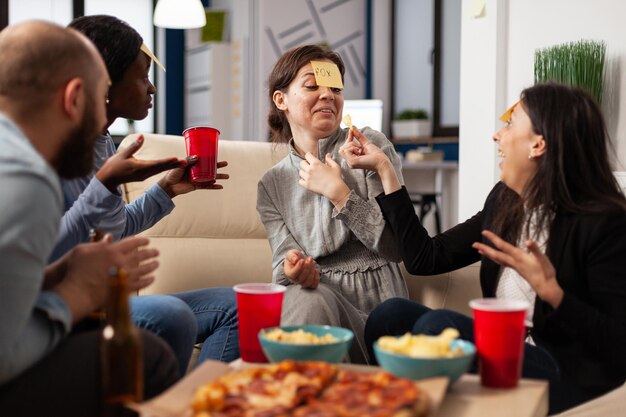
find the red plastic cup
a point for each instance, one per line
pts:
(499, 331)
(202, 141)
(258, 306)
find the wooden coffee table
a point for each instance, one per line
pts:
(467, 398)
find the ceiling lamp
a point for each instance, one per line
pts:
(179, 14)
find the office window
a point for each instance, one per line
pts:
(58, 11)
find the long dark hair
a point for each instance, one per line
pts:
(283, 73)
(574, 175)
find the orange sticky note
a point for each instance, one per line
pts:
(327, 74)
(506, 116)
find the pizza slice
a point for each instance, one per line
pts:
(377, 394)
(271, 391)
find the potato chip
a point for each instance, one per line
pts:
(422, 346)
(299, 337)
(347, 120)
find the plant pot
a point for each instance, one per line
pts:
(405, 129)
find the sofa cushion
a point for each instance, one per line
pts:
(212, 237)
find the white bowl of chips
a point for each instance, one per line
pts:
(421, 356)
(306, 343)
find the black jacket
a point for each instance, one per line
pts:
(587, 333)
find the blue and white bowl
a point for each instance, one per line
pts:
(327, 352)
(421, 368)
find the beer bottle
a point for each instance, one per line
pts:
(120, 350)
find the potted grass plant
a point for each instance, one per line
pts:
(411, 123)
(580, 64)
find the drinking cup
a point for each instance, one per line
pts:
(202, 141)
(258, 306)
(499, 331)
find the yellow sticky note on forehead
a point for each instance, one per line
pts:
(148, 52)
(327, 74)
(506, 116)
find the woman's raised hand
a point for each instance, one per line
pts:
(358, 152)
(123, 167)
(301, 270)
(532, 264)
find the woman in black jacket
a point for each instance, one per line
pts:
(552, 232)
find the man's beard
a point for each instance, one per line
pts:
(76, 157)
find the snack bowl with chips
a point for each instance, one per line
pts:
(306, 343)
(420, 356)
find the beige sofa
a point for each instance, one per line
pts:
(215, 238)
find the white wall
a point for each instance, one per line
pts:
(482, 100)
(560, 21)
(497, 57)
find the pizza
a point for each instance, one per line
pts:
(309, 389)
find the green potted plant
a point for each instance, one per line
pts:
(580, 64)
(411, 123)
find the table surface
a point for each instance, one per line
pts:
(467, 398)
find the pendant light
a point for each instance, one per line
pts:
(179, 14)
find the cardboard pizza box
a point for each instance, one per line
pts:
(176, 401)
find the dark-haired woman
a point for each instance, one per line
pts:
(552, 232)
(207, 316)
(330, 243)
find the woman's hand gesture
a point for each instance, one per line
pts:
(324, 178)
(358, 152)
(532, 264)
(301, 270)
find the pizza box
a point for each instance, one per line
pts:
(176, 401)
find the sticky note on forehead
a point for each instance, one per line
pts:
(506, 116)
(148, 52)
(327, 74)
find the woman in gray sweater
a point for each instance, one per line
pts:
(330, 243)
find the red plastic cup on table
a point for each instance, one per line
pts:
(202, 141)
(499, 332)
(258, 306)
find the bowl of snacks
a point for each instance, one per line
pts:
(306, 343)
(422, 356)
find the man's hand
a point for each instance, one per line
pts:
(176, 182)
(85, 283)
(301, 270)
(123, 167)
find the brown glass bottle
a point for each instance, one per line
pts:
(120, 350)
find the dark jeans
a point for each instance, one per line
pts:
(397, 316)
(66, 383)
